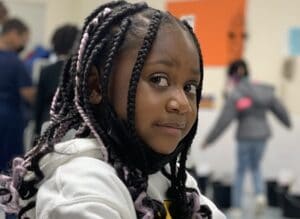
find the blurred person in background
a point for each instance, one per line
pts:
(237, 71)
(62, 42)
(248, 102)
(15, 86)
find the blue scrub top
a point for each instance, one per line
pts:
(13, 76)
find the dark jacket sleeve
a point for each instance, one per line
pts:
(227, 114)
(40, 103)
(280, 112)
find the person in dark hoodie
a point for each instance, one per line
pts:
(248, 102)
(62, 42)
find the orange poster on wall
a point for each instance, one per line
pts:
(219, 26)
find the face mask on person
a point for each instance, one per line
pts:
(20, 49)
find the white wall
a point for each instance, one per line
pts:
(33, 14)
(59, 12)
(74, 11)
(268, 23)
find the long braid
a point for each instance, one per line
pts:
(138, 67)
(61, 94)
(185, 202)
(79, 92)
(118, 40)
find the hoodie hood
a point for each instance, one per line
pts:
(66, 151)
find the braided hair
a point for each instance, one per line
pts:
(111, 28)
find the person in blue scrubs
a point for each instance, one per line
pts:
(15, 86)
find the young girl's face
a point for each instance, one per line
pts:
(241, 71)
(166, 100)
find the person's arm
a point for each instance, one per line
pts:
(24, 83)
(28, 93)
(227, 114)
(40, 102)
(280, 112)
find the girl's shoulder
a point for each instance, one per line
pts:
(76, 176)
(78, 162)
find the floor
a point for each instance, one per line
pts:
(248, 206)
(249, 211)
(270, 213)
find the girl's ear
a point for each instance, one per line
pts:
(95, 96)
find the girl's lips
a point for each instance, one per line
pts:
(171, 129)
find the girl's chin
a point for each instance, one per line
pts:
(165, 150)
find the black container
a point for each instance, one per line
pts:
(272, 193)
(281, 193)
(221, 194)
(291, 206)
(203, 182)
(192, 172)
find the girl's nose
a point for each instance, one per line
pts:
(179, 102)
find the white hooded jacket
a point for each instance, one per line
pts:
(79, 185)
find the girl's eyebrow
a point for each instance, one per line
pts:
(170, 63)
(167, 62)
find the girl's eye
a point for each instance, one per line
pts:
(159, 80)
(191, 88)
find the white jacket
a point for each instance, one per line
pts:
(79, 185)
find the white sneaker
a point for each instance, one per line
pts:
(235, 213)
(260, 204)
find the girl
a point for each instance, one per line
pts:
(237, 71)
(130, 94)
